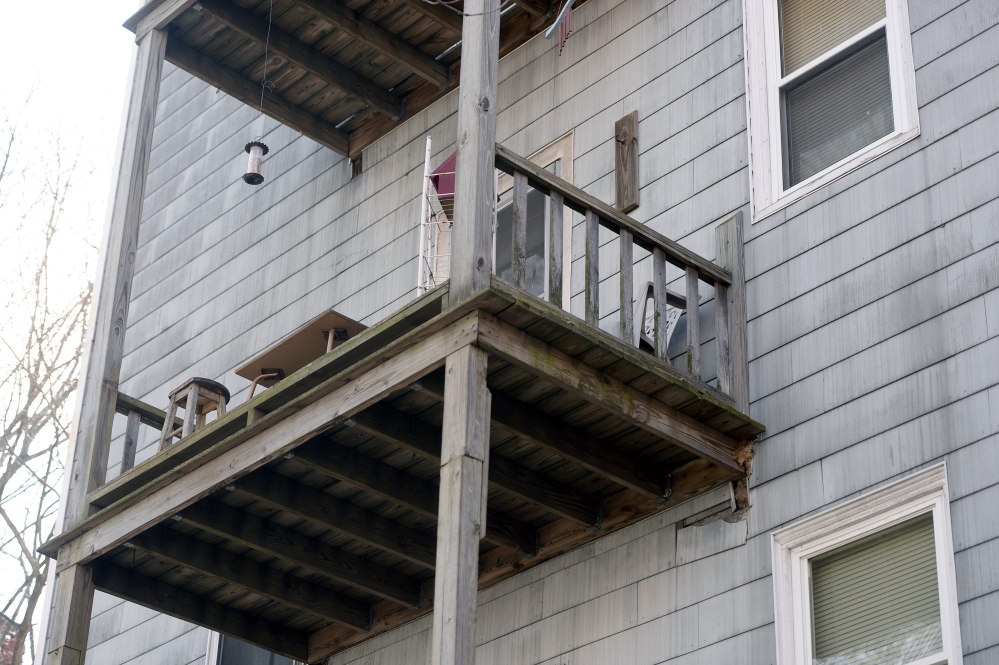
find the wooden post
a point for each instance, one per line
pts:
(729, 241)
(518, 247)
(74, 590)
(555, 234)
(462, 507)
(626, 162)
(627, 241)
(693, 322)
(660, 301)
(591, 284)
(475, 191)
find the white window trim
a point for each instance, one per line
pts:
(793, 546)
(763, 83)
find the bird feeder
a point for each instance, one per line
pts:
(256, 150)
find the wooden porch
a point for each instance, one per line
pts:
(304, 521)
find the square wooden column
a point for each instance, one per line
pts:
(475, 181)
(74, 591)
(462, 514)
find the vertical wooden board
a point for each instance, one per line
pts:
(660, 282)
(626, 162)
(693, 323)
(555, 259)
(518, 249)
(592, 260)
(626, 303)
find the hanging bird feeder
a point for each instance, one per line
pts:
(256, 150)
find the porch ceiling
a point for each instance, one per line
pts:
(324, 532)
(343, 72)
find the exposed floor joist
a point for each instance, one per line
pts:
(444, 15)
(311, 554)
(260, 578)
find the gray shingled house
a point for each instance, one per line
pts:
(613, 331)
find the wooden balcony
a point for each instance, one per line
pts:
(305, 520)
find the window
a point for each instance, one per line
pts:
(557, 158)
(830, 87)
(225, 650)
(870, 582)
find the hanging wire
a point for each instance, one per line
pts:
(264, 83)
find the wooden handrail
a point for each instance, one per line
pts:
(138, 412)
(609, 217)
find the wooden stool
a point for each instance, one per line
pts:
(205, 395)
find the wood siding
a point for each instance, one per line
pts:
(873, 307)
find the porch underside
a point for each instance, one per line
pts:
(304, 521)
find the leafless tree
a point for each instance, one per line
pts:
(46, 295)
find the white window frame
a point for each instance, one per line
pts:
(764, 81)
(794, 546)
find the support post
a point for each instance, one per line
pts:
(729, 242)
(461, 522)
(475, 195)
(74, 589)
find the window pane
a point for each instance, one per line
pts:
(809, 28)
(838, 111)
(875, 601)
(235, 652)
(537, 205)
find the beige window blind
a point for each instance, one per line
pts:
(810, 28)
(875, 601)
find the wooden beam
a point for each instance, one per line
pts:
(254, 576)
(475, 181)
(202, 478)
(236, 85)
(199, 610)
(729, 243)
(297, 548)
(537, 8)
(156, 15)
(535, 356)
(444, 15)
(380, 39)
(349, 519)
(423, 438)
(464, 468)
(573, 443)
(303, 55)
(404, 489)
(148, 415)
(578, 200)
(72, 606)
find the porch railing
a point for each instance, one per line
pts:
(138, 413)
(663, 250)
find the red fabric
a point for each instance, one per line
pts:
(443, 176)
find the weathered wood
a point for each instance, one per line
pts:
(537, 8)
(555, 234)
(102, 374)
(693, 324)
(199, 610)
(236, 85)
(518, 347)
(148, 415)
(441, 13)
(404, 489)
(423, 438)
(72, 606)
(303, 55)
(475, 195)
(378, 38)
(463, 488)
(578, 200)
(660, 301)
(131, 440)
(156, 15)
(350, 519)
(280, 437)
(626, 162)
(297, 548)
(257, 577)
(723, 360)
(591, 287)
(190, 410)
(627, 300)
(518, 231)
(729, 243)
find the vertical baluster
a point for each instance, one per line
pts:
(131, 441)
(518, 252)
(721, 338)
(555, 231)
(659, 282)
(592, 268)
(627, 287)
(693, 323)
